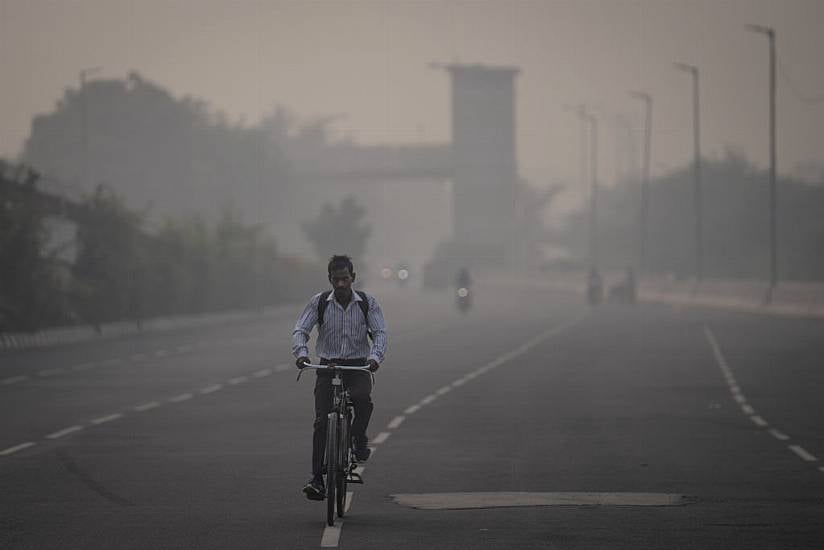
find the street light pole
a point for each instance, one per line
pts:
(642, 252)
(770, 32)
(698, 192)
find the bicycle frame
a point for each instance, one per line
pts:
(339, 453)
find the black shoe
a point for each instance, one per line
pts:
(362, 452)
(314, 490)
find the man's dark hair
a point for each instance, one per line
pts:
(340, 262)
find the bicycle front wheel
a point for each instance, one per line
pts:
(344, 450)
(332, 454)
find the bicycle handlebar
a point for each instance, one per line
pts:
(362, 368)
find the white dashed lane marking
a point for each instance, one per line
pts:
(211, 389)
(778, 435)
(107, 418)
(397, 421)
(380, 438)
(739, 397)
(802, 453)
(147, 406)
(238, 380)
(181, 397)
(66, 431)
(13, 380)
(50, 372)
(412, 410)
(16, 448)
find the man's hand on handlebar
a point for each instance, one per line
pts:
(301, 362)
(373, 365)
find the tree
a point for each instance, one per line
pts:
(110, 266)
(339, 230)
(30, 289)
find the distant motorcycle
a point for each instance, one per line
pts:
(463, 299)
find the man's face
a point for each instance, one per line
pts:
(342, 281)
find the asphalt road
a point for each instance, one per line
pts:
(201, 438)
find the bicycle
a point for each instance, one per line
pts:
(339, 455)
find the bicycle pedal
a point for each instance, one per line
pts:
(354, 477)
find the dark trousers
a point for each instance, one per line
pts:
(360, 390)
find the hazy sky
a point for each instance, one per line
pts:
(368, 60)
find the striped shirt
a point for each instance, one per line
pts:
(343, 333)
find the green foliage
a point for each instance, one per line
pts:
(109, 270)
(736, 224)
(339, 230)
(30, 286)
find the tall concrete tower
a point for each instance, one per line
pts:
(484, 155)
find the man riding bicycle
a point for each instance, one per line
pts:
(344, 318)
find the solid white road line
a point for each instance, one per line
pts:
(397, 421)
(802, 453)
(66, 431)
(211, 389)
(778, 435)
(381, 437)
(107, 418)
(13, 380)
(147, 406)
(181, 397)
(12, 450)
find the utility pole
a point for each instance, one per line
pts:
(698, 192)
(770, 32)
(642, 240)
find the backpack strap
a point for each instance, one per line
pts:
(322, 304)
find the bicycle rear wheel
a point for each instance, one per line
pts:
(332, 454)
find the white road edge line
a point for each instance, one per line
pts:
(67, 431)
(802, 453)
(16, 448)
